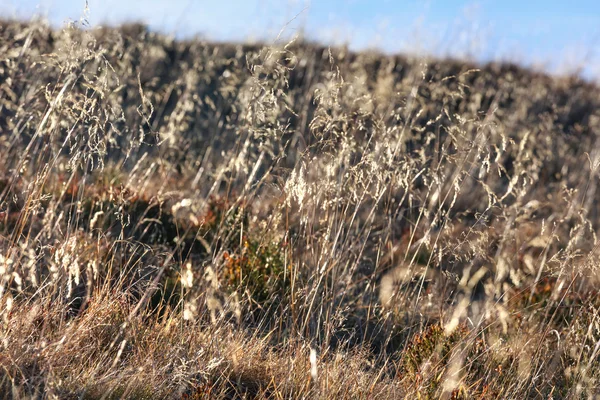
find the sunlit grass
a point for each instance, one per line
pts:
(197, 220)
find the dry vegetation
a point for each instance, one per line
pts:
(190, 220)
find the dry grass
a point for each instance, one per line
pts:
(191, 220)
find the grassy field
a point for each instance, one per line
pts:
(193, 220)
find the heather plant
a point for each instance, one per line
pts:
(184, 219)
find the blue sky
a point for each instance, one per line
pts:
(556, 35)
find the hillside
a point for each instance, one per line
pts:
(183, 219)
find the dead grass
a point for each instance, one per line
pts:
(191, 220)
